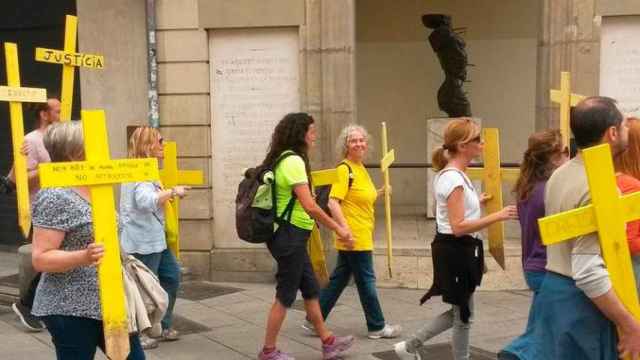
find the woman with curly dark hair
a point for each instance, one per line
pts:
(288, 155)
(544, 154)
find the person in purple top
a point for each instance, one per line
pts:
(544, 154)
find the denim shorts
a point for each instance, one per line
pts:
(289, 248)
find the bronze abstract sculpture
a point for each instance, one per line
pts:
(450, 49)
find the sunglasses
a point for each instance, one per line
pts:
(477, 139)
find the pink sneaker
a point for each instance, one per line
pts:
(275, 355)
(339, 346)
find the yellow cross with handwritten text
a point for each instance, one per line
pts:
(492, 176)
(100, 173)
(171, 176)
(69, 60)
(606, 216)
(16, 95)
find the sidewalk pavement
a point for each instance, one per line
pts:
(231, 325)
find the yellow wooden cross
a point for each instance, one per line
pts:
(16, 95)
(69, 59)
(492, 176)
(171, 176)
(388, 157)
(566, 99)
(315, 246)
(99, 172)
(607, 215)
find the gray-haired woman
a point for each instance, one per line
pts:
(64, 251)
(351, 202)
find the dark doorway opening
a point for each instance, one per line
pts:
(30, 24)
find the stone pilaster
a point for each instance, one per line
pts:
(328, 49)
(569, 41)
(183, 86)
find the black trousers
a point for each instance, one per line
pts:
(289, 248)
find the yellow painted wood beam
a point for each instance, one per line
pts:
(387, 159)
(15, 95)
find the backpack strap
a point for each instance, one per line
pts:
(351, 176)
(288, 210)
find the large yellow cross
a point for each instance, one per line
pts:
(388, 157)
(171, 176)
(566, 99)
(315, 246)
(492, 176)
(99, 172)
(16, 95)
(69, 60)
(607, 216)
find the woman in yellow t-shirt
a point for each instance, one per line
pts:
(351, 203)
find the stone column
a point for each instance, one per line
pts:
(329, 70)
(327, 79)
(115, 29)
(569, 41)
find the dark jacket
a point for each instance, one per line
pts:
(458, 264)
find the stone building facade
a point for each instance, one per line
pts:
(197, 38)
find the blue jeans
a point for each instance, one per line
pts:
(360, 264)
(165, 266)
(566, 325)
(77, 338)
(520, 344)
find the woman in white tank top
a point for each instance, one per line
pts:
(457, 251)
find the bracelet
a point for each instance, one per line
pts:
(173, 192)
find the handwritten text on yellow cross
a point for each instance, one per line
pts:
(99, 172)
(69, 60)
(15, 95)
(607, 216)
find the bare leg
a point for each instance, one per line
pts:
(274, 323)
(312, 306)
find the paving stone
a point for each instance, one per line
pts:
(440, 352)
(195, 347)
(201, 290)
(231, 326)
(186, 326)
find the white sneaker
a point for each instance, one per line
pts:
(388, 332)
(308, 328)
(401, 350)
